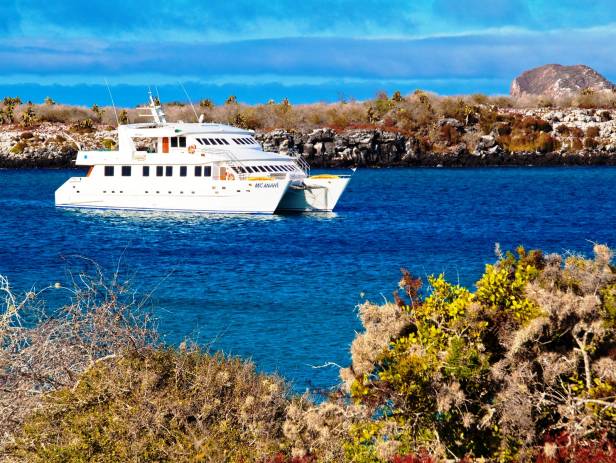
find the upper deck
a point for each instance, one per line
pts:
(166, 143)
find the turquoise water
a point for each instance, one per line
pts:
(282, 290)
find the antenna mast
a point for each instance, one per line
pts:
(190, 101)
(112, 103)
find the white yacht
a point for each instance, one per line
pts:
(196, 167)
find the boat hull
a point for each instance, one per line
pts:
(223, 197)
(315, 194)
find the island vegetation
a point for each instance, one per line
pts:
(522, 368)
(416, 129)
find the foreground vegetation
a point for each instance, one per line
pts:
(521, 369)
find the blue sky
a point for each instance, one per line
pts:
(306, 50)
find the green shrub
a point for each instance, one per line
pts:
(492, 373)
(206, 104)
(18, 148)
(28, 117)
(109, 144)
(124, 117)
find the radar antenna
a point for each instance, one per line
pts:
(154, 110)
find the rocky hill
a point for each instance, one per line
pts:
(558, 81)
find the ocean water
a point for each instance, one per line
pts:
(283, 290)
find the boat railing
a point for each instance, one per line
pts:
(235, 161)
(302, 164)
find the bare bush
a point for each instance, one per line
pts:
(44, 350)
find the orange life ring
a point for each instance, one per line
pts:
(192, 149)
(230, 176)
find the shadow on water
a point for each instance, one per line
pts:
(192, 217)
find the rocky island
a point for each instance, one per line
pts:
(556, 115)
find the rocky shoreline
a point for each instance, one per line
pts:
(577, 137)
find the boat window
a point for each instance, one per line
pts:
(126, 171)
(224, 140)
(207, 171)
(219, 141)
(235, 141)
(108, 171)
(249, 169)
(277, 168)
(205, 141)
(182, 142)
(199, 140)
(159, 171)
(253, 141)
(183, 170)
(241, 169)
(269, 168)
(212, 141)
(146, 171)
(261, 169)
(288, 168)
(198, 171)
(243, 140)
(168, 171)
(174, 142)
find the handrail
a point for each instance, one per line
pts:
(302, 164)
(299, 161)
(232, 157)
